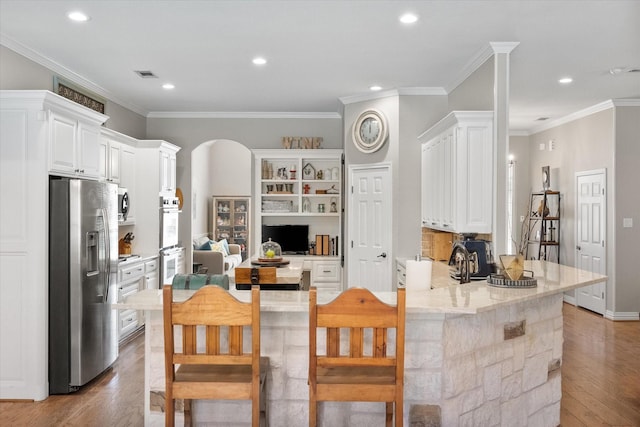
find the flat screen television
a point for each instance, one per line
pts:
(293, 239)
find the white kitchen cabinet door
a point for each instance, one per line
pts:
(63, 145)
(110, 160)
(128, 179)
(457, 163)
(88, 157)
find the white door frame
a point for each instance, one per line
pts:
(350, 225)
(603, 227)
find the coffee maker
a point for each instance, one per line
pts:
(481, 262)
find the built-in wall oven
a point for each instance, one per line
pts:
(171, 255)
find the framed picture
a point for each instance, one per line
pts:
(308, 172)
(546, 178)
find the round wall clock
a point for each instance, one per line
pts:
(370, 131)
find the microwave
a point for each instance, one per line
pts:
(123, 204)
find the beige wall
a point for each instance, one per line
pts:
(626, 297)
(20, 73)
(519, 148)
(476, 92)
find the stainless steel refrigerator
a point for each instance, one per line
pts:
(83, 265)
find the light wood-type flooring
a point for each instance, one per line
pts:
(600, 382)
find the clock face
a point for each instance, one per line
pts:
(370, 131)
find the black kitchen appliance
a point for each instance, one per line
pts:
(481, 262)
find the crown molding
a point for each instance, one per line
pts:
(61, 70)
(240, 115)
(481, 57)
(606, 105)
(519, 133)
(626, 102)
(403, 91)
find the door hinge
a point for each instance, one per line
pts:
(352, 244)
(603, 295)
(603, 243)
(352, 189)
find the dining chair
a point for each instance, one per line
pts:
(207, 360)
(364, 370)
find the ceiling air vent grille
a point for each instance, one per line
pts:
(542, 119)
(146, 74)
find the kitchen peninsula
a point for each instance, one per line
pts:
(474, 354)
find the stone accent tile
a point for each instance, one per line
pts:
(545, 395)
(459, 375)
(493, 381)
(472, 399)
(535, 370)
(422, 354)
(514, 329)
(156, 371)
(513, 412)
(554, 365)
(156, 401)
(488, 414)
(423, 386)
(425, 416)
(504, 350)
(272, 341)
(502, 315)
(511, 387)
(285, 319)
(276, 383)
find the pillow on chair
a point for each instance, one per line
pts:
(218, 247)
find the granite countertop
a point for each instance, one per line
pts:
(446, 297)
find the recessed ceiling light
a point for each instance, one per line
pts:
(259, 61)
(168, 86)
(409, 18)
(565, 80)
(375, 87)
(77, 16)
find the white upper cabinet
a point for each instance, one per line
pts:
(73, 146)
(110, 161)
(457, 173)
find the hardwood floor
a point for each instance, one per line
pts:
(600, 371)
(115, 398)
(600, 382)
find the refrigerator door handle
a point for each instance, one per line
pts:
(107, 247)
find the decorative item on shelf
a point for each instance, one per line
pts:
(292, 172)
(306, 205)
(282, 173)
(320, 207)
(543, 209)
(335, 173)
(546, 178)
(180, 198)
(288, 188)
(321, 191)
(270, 250)
(332, 190)
(269, 188)
(306, 188)
(308, 171)
(320, 174)
(334, 205)
(327, 173)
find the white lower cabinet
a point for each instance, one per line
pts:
(326, 274)
(134, 276)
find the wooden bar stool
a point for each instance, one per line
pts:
(214, 372)
(361, 375)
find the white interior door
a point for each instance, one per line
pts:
(369, 243)
(591, 208)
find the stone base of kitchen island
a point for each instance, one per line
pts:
(495, 367)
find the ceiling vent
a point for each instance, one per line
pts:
(146, 74)
(542, 119)
(620, 70)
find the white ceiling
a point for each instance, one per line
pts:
(323, 53)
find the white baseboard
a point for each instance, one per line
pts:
(570, 299)
(622, 315)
